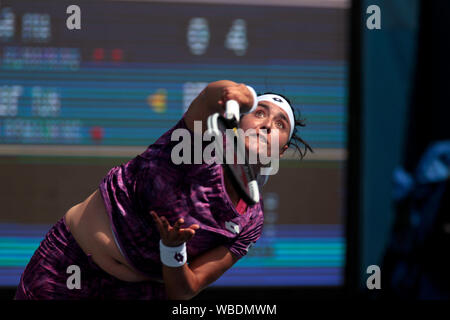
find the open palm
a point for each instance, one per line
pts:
(173, 236)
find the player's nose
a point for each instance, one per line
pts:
(266, 125)
(264, 132)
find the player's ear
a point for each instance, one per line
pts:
(285, 147)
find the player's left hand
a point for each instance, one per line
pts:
(173, 236)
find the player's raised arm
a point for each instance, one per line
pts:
(213, 98)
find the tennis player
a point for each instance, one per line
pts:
(154, 229)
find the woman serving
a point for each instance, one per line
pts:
(158, 230)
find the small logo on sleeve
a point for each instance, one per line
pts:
(232, 227)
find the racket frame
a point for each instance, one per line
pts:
(231, 121)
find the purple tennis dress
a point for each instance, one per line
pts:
(151, 181)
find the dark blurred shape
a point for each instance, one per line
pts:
(416, 265)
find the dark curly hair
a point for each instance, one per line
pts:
(296, 141)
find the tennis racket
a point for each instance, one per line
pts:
(238, 169)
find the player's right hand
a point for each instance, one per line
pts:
(240, 93)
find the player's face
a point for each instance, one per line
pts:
(268, 120)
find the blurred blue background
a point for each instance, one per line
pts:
(389, 60)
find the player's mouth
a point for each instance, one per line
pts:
(260, 137)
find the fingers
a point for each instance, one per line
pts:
(232, 93)
(186, 234)
(178, 224)
(189, 232)
(162, 224)
(158, 221)
(165, 223)
(174, 234)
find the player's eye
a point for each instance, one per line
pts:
(280, 125)
(259, 113)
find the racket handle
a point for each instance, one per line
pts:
(254, 190)
(232, 109)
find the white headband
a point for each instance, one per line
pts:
(283, 104)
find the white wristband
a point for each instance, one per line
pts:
(255, 99)
(173, 256)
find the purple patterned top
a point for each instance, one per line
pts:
(194, 192)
